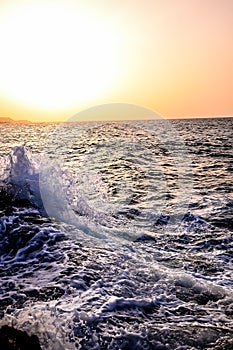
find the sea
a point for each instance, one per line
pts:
(117, 234)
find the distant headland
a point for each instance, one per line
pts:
(9, 120)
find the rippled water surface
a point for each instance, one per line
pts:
(118, 235)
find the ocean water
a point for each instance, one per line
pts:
(118, 235)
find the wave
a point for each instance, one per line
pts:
(53, 192)
(59, 288)
(19, 180)
(20, 184)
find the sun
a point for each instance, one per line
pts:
(55, 54)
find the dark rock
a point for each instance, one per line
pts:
(13, 339)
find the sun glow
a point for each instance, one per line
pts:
(56, 55)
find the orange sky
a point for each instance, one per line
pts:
(59, 57)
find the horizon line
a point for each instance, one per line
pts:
(11, 120)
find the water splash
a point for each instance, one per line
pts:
(121, 176)
(20, 176)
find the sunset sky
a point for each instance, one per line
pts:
(60, 57)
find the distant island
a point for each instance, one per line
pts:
(9, 120)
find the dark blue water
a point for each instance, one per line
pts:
(118, 235)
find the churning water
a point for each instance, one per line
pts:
(118, 235)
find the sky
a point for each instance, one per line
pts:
(59, 57)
